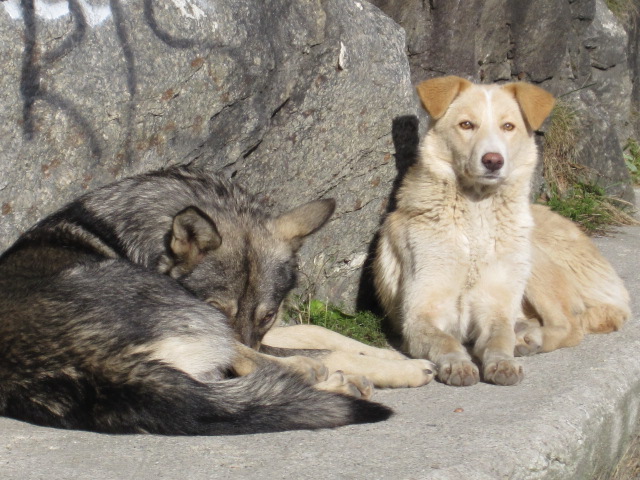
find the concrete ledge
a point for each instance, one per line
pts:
(571, 418)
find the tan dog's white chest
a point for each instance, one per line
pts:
(476, 238)
(473, 243)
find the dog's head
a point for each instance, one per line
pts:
(243, 264)
(485, 131)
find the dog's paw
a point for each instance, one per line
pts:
(353, 385)
(528, 341)
(503, 371)
(403, 373)
(458, 371)
(418, 372)
(312, 371)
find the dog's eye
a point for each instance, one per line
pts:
(466, 125)
(508, 126)
(267, 319)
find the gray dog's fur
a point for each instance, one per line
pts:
(120, 313)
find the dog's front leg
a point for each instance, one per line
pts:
(316, 337)
(425, 318)
(247, 360)
(312, 364)
(495, 346)
(495, 306)
(382, 372)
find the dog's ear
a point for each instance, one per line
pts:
(294, 225)
(536, 104)
(438, 93)
(193, 234)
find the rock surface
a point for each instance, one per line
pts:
(633, 53)
(564, 46)
(296, 99)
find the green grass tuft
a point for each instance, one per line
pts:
(571, 188)
(363, 326)
(586, 205)
(559, 154)
(632, 160)
(624, 10)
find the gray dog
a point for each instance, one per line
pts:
(126, 311)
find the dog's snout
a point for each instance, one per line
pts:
(493, 161)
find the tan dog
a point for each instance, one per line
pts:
(454, 259)
(572, 290)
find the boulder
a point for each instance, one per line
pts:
(296, 99)
(293, 98)
(564, 46)
(632, 25)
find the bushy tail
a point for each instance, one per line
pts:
(603, 318)
(167, 401)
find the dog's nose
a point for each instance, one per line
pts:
(492, 161)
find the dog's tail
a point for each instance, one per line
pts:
(603, 318)
(168, 401)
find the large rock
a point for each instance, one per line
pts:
(566, 46)
(633, 55)
(294, 98)
(297, 99)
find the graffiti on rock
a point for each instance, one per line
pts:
(37, 59)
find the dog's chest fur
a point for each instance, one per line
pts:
(480, 239)
(475, 231)
(484, 232)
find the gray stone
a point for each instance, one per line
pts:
(540, 36)
(605, 40)
(633, 55)
(297, 99)
(600, 157)
(564, 46)
(294, 98)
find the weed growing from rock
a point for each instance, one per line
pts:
(589, 206)
(362, 326)
(570, 189)
(632, 160)
(624, 10)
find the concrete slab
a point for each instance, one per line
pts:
(570, 419)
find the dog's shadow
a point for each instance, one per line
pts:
(406, 140)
